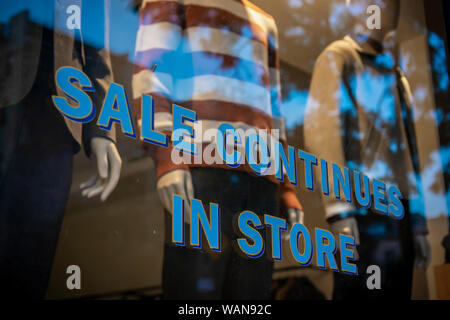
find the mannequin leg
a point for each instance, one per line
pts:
(387, 243)
(190, 273)
(34, 188)
(201, 274)
(31, 214)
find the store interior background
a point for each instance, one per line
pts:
(118, 244)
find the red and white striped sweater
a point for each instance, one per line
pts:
(218, 58)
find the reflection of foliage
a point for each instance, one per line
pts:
(308, 26)
(294, 92)
(439, 61)
(311, 25)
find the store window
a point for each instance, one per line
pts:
(211, 149)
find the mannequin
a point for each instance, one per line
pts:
(38, 145)
(351, 119)
(389, 21)
(222, 79)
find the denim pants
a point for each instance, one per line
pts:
(190, 273)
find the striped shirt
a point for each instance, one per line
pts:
(218, 58)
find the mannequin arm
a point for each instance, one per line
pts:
(97, 65)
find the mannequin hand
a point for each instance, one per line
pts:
(108, 162)
(295, 216)
(422, 250)
(347, 226)
(176, 182)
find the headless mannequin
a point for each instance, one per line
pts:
(35, 184)
(180, 182)
(228, 274)
(365, 37)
